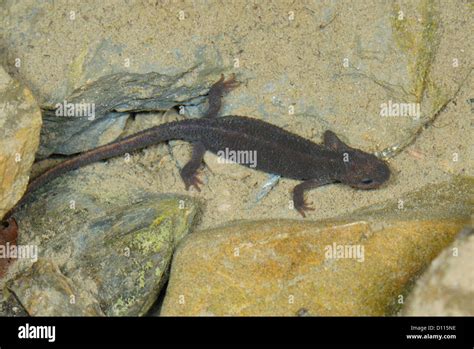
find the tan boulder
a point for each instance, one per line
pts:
(20, 124)
(286, 267)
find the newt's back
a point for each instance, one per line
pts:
(273, 149)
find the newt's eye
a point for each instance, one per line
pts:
(367, 181)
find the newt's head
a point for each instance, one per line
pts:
(361, 170)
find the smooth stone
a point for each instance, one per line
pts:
(20, 123)
(280, 267)
(447, 287)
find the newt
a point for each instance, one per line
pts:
(279, 152)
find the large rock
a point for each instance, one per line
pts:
(110, 234)
(447, 287)
(283, 267)
(113, 263)
(20, 123)
(108, 102)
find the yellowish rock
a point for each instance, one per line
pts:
(447, 287)
(283, 267)
(20, 124)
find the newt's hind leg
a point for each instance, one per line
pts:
(216, 92)
(189, 173)
(298, 194)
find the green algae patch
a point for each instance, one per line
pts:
(139, 259)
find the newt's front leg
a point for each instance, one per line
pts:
(216, 92)
(298, 194)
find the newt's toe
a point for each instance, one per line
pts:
(193, 181)
(304, 207)
(230, 84)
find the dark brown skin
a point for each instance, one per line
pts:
(278, 151)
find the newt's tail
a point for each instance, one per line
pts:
(140, 140)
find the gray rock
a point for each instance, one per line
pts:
(114, 238)
(45, 291)
(9, 305)
(110, 99)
